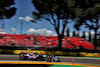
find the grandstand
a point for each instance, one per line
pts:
(43, 41)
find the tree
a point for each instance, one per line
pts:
(84, 36)
(6, 11)
(57, 12)
(74, 34)
(89, 16)
(89, 36)
(68, 33)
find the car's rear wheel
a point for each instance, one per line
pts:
(21, 57)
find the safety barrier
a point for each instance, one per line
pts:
(82, 54)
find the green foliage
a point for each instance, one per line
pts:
(57, 12)
(89, 15)
(6, 11)
(89, 10)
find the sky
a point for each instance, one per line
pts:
(24, 14)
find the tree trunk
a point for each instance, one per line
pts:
(60, 41)
(95, 39)
(89, 37)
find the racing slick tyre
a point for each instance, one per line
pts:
(48, 59)
(21, 57)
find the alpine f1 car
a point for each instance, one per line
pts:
(38, 57)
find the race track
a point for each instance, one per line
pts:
(63, 59)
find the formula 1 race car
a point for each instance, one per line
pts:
(38, 57)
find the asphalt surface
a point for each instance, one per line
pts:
(63, 59)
